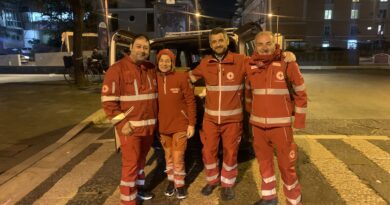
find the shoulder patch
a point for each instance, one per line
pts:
(105, 89)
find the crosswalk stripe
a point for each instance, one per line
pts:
(341, 137)
(77, 177)
(19, 186)
(372, 152)
(348, 185)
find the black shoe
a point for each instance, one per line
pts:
(170, 189)
(181, 193)
(227, 193)
(144, 195)
(208, 189)
(267, 202)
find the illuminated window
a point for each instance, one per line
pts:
(325, 44)
(328, 14)
(352, 44)
(380, 29)
(354, 14)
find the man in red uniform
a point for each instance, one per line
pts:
(129, 98)
(224, 74)
(273, 113)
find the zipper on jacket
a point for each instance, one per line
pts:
(182, 111)
(220, 92)
(150, 82)
(285, 103)
(165, 84)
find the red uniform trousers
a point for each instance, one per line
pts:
(264, 142)
(231, 136)
(174, 147)
(134, 151)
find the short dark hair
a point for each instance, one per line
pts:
(218, 30)
(139, 36)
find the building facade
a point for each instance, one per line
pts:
(346, 24)
(153, 18)
(11, 30)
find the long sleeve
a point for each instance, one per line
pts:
(248, 95)
(300, 96)
(196, 73)
(110, 94)
(189, 98)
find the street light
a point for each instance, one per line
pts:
(197, 14)
(270, 15)
(277, 21)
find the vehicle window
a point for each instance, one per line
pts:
(152, 56)
(121, 51)
(249, 48)
(183, 59)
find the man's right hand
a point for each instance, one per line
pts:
(127, 129)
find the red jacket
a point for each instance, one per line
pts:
(176, 101)
(131, 90)
(271, 105)
(224, 86)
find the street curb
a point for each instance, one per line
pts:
(347, 67)
(96, 117)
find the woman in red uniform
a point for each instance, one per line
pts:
(176, 118)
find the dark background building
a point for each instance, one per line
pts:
(306, 24)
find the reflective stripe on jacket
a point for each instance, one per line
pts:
(224, 86)
(129, 94)
(269, 100)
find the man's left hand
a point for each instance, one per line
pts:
(289, 56)
(190, 131)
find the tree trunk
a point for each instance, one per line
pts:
(78, 14)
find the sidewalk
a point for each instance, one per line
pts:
(35, 115)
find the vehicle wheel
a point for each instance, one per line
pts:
(92, 75)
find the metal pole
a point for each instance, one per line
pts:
(106, 18)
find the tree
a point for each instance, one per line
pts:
(78, 14)
(70, 15)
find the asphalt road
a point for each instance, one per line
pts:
(344, 154)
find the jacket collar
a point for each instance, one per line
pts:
(227, 58)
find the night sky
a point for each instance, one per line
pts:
(218, 8)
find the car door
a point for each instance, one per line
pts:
(246, 34)
(120, 45)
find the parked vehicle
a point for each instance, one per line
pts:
(10, 51)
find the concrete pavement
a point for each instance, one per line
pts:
(330, 139)
(36, 115)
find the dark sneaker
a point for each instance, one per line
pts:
(181, 192)
(170, 189)
(208, 189)
(267, 202)
(227, 193)
(144, 195)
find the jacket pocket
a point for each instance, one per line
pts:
(131, 87)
